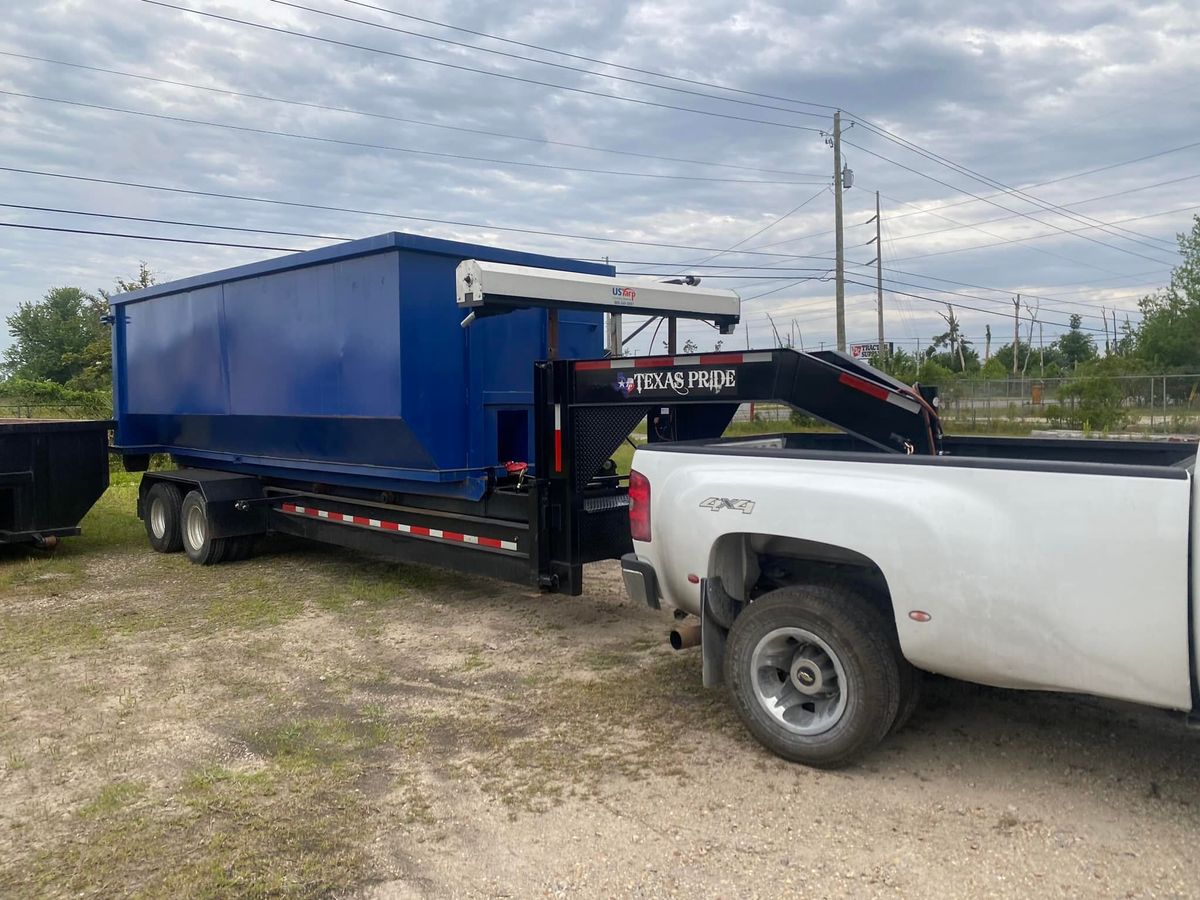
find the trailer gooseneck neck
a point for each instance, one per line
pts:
(586, 408)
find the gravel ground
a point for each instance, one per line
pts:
(311, 723)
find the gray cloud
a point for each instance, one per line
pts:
(1021, 91)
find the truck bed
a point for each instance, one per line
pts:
(1051, 454)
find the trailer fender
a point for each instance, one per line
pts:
(222, 492)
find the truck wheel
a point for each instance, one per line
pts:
(200, 547)
(161, 517)
(813, 673)
(910, 694)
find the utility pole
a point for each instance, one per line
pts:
(1016, 332)
(614, 335)
(614, 340)
(840, 264)
(987, 345)
(1033, 317)
(881, 350)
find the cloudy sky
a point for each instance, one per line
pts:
(1091, 109)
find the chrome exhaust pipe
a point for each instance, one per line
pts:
(684, 636)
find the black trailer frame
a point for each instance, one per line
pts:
(540, 528)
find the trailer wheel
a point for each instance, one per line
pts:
(198, 543)
(161, 517)
(814, 674)
(240, 548)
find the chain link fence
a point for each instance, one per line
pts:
(1135, 404)
(1162, 404)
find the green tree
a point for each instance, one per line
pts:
(1075, 346)
(51, 337)
(62, 338)
(1169, 334)
(900, 364)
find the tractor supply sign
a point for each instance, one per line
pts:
(682, 383)
(869, 351)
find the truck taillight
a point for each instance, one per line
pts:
(639, 506)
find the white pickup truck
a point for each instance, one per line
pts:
(827, 574)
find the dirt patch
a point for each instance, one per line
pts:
(316, 723)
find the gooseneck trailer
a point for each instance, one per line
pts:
(436, 402)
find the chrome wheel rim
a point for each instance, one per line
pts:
(158, 517)
(798, 681)
(196, 527)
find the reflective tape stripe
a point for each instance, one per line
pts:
(655, 362)
(439, 534)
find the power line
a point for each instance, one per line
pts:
(363, 145)
(765, 228)
(999, 205)
(989, 312)
(1035, 237)
(408, 121)
(541, 62)
(386, 215)
(1008, 293)
(1134, 190)
(932, 210)
(1005, 189)
(591, 59)
(968, 296)
(1061, 178)
(101, 215)
(462, 68)
(143, 237)
(883, 132)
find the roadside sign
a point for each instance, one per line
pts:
(869, 350)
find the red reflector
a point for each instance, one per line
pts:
(861, 384)
(694, 579)
(639, 506)
(919, 615)
(653, 362)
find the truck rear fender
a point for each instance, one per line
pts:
(745, 560)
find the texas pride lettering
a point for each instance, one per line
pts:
(682, 383)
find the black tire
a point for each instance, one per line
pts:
(910, 694)
(240, 548)
(160, 515)
(195, 529)
(858, 661)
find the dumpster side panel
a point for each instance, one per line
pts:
(342, 365)
(315, 342)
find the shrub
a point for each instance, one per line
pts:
(1095, 404)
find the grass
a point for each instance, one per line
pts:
(293, 826)
(242, 762)
(320, 742)
(988, 426)
(222, 833)
(113, 797)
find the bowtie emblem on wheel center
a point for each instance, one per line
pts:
(806, 675)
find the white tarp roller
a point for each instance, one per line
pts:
(479, 284)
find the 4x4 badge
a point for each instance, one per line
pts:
(716, 504)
